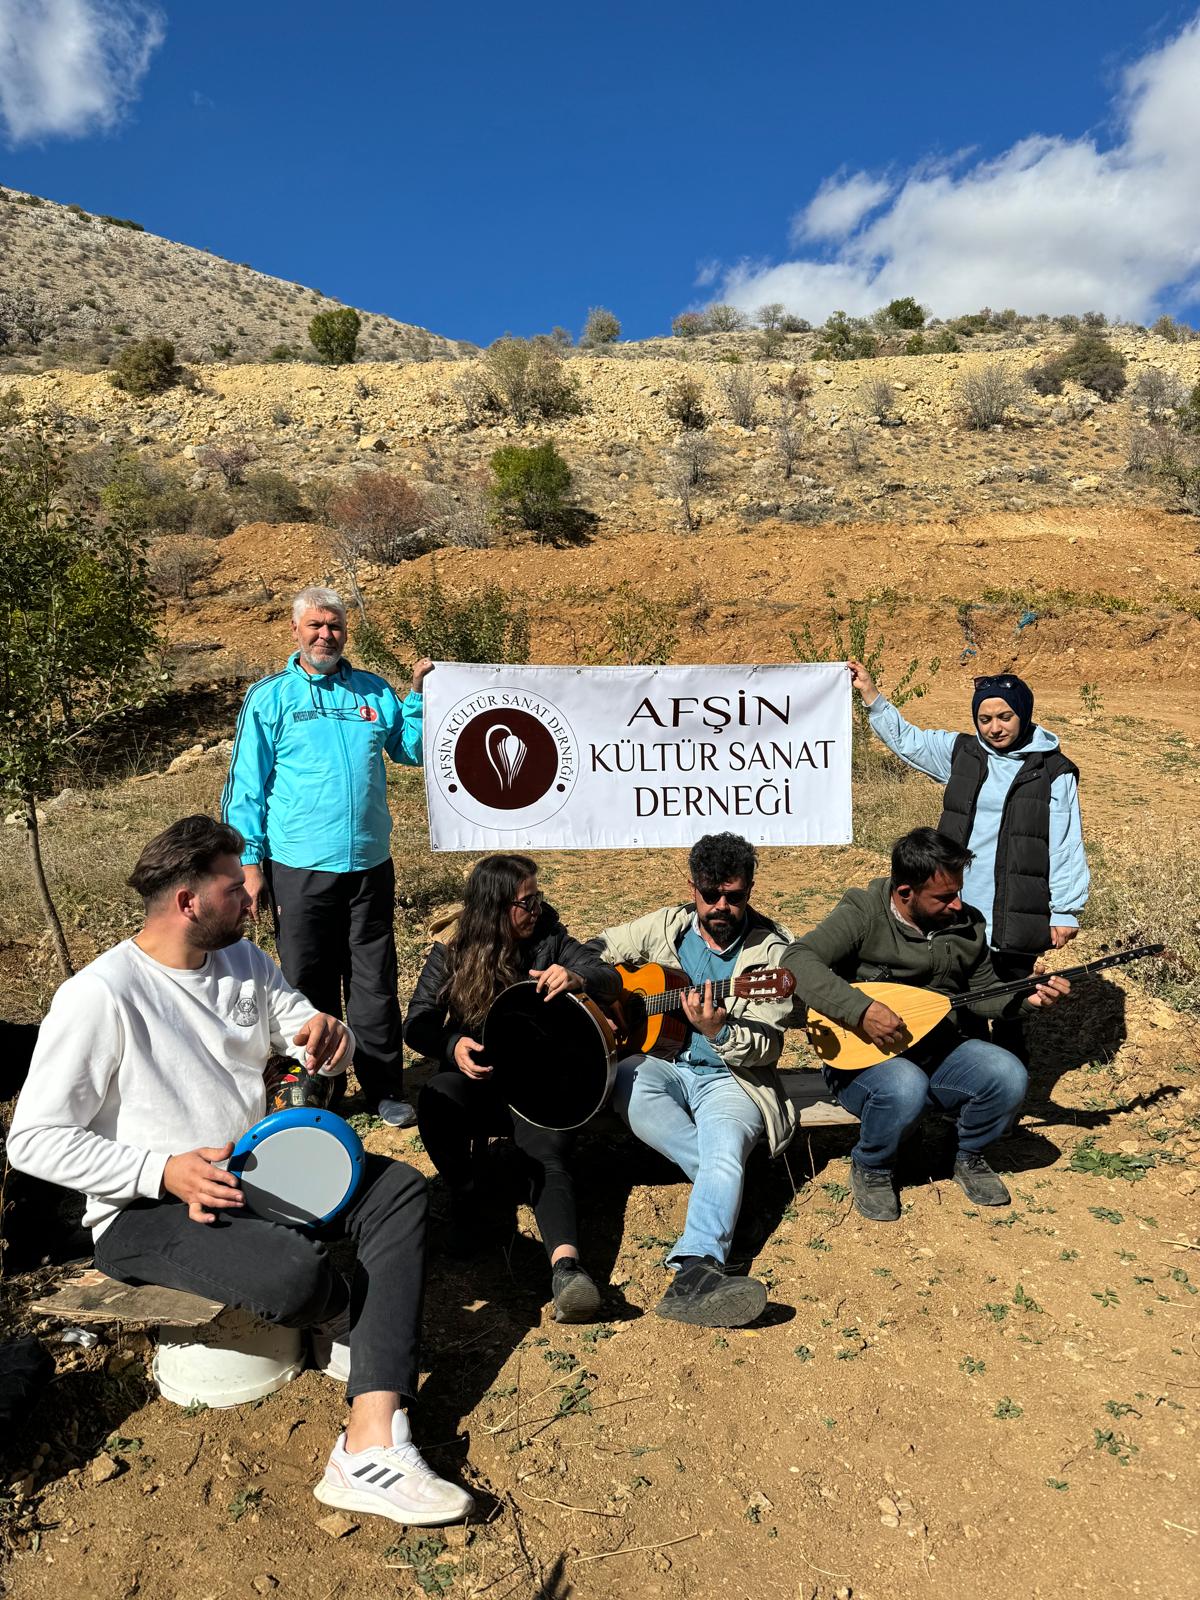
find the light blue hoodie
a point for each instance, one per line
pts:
(931, 752)
(307, 785)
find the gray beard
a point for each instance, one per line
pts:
(322, 664)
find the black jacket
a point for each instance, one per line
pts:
(432, 1030)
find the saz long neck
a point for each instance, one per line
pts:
(672, 999)
(1024, 985)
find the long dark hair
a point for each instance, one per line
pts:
(481, 952)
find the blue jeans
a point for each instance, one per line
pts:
(978, 1082)
(704, 1121)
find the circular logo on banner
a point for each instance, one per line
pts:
(506, 758)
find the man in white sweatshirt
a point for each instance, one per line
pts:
(147, 1069)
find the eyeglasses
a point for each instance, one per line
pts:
(993, 682)
(710, 895)
(529, 903)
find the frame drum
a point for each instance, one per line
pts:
(299, 1166)
(554, 1060)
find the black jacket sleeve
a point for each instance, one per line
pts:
(601, 980)
(429, 1029)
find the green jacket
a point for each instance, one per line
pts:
(863, 941)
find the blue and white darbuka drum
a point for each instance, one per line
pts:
(299, 1166)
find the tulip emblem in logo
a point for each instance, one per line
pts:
(506, 752)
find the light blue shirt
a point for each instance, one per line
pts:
(703, 964)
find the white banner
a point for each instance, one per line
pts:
(603, 758)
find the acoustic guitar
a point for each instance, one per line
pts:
(850, 1050)
(651, 1017)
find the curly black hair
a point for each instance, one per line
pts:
(720, 858)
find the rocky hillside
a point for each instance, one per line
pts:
(96, 282)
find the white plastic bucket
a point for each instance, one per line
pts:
(230, 1361)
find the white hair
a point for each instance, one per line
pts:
(314, 598)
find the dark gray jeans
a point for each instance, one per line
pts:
(285, 1275)
(336, 939)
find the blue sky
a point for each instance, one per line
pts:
(477, 170)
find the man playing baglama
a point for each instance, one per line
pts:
(914, 928)
(707, 1109)
(308, 789)
(147, 1069)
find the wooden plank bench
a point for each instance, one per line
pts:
(814, 1108)
(93, 1298)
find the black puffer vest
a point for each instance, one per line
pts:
(1021, 908)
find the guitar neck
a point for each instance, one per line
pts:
(672, 999)
(1026, 985)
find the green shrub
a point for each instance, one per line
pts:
(145, 367)
(944, 343)
(1166, 328)
(147, 498)
(1046, 377)
(531, 488)
(858, 636)
(284, 352)
(1094, 363)
(123, 222)
(684, 401)
(601, 327)
(1187, 417)
(905, 313)
(334, 334)
(915, 345)
(845, 338)
(272, 497)
(792, 324)
(472, 625)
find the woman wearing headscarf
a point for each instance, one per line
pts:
(503, 933)
(1012, 797)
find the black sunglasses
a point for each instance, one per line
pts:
(710, 895)
(992, 682)
(530, 902)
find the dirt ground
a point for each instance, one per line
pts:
(962, 1404)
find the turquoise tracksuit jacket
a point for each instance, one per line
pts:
(307, 785)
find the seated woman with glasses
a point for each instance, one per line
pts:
(503, 933)
(1012, 798)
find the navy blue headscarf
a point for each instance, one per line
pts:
(1015, 693)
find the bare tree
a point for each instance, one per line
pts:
(679, 485)
(1158, 391)
(789, 424)
(878, 397)
(986, 394)
(176, 565)
(771, 315)
(742, 388)
(229, 457)
(695, 452)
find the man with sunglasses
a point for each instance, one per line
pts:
(307, 789)
(709, 1107)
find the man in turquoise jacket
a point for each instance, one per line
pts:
(307, 789)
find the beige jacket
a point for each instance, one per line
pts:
(755, 1026)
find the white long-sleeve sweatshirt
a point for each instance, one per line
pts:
(137, 1061)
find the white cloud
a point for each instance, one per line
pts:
(1053, 224)
(838, 206)
(71, 67)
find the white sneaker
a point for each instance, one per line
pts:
(330, 1345)
(393, 1482)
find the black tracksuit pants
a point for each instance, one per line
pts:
(285, 1275)
(337, 941)
(455, 1110)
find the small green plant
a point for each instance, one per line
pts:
(802, 1353)
(243, 1502)
(996, 1311)
(145, 367)
(1118, 1408)
(194, 1408)
(597, 1332)
(720, 1342)
(1107, 1297)
(486, 624)
(420, 1557)
(1020, 1298)
(560, 1360)
(1108, 1164)
(1057, 1483)
(1103, 1214)
(859, 637)
(531, 488)
(1114, 1444)
(836, 1191)
(118, 1445)
(1091, 699)
(334, 334)
(972, 1367)
(1068, 1255)
(578, 1398)
(1008, 1410)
